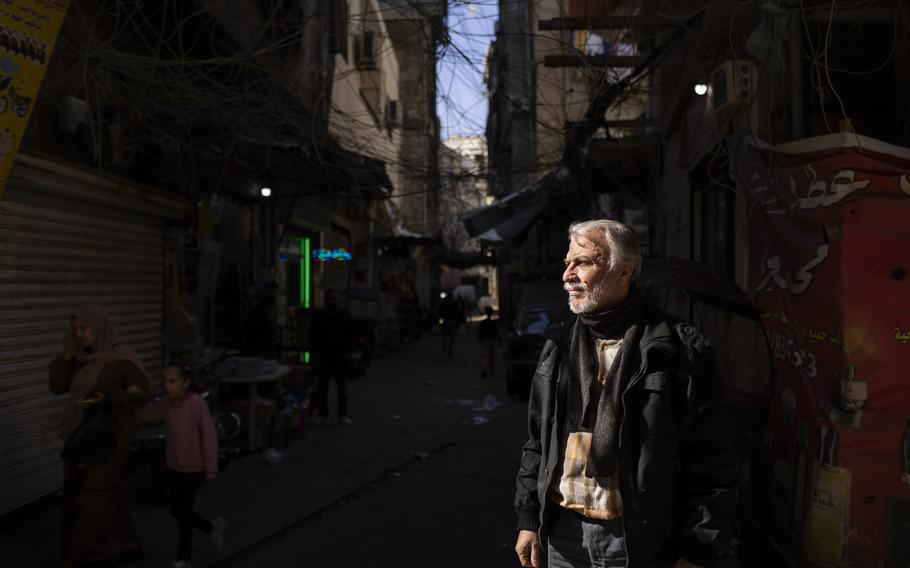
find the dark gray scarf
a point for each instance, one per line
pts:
(625, 320)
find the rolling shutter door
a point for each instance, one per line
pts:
(55, 254)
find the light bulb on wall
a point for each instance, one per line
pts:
(265, 192)
(701, 89)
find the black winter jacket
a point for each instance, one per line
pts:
(677, 465)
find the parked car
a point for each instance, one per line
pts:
(541, 307)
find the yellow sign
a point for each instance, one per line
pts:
(28, 31)
(828, 516)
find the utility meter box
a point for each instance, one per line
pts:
(733, 84)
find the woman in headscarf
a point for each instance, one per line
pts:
(97, 525)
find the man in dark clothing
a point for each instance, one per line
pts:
(488, 335)
(332, 337)
(629, 460)
(451, 315)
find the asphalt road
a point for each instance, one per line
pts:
(447, 504)
(424, 477)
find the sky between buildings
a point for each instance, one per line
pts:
(461, 92)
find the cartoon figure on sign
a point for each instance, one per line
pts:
(23, 45)
(9, 70)
(19, 103)
(6, 39)
(30, 50)
(15, 43)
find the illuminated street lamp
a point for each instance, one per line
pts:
(701, 89)
(265, 192)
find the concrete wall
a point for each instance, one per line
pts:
(511, 123)
(417, 169)
(360, 92)
(556, 101)
(411, 45)
(463, 190)
(564, 93)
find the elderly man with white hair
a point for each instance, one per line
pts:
(629, 460)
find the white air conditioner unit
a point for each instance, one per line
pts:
(733, 84)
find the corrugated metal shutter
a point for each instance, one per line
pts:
(55, 254)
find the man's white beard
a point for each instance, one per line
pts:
(593, 298)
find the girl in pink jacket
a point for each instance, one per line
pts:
(192, 455)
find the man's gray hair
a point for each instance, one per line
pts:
(621, 241)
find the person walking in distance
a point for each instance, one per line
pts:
(488, 335)
(192, 455)
(332, 337)
(450, 318)
(97, 525)
(629, 460)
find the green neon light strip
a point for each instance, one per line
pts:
(306, 356)
(305, 273)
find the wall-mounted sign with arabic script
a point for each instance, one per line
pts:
(28, 32)
(329, 255)
(828, 261)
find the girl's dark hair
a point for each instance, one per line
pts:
(186, 373)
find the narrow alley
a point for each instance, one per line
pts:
(238, 239)
(423, 477)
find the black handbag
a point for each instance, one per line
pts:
(94, 440)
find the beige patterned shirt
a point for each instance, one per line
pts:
(598, 497)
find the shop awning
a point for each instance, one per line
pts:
(329, 167)
(702, 282)
(364, 173)
(508, 217)
(400, 230)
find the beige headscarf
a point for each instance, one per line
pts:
(105, 350)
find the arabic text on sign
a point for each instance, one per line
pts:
(325, 255)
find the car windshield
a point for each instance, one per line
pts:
(533, 321)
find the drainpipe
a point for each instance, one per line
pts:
(796, 75)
